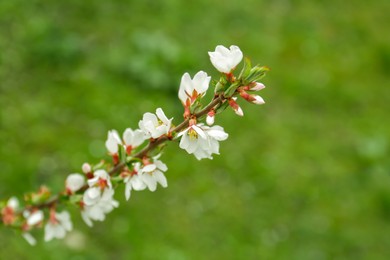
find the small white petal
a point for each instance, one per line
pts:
(128, 190)
(29, 238)
(128, 136)
(85, 217)
(185, 84)
(138, 138)
(91, 196)
(149, 168)
(137, 183)
(113, 140)
(160, 178)
(160, 165)
(199, 131)
(74, 182)
(13, 203)
(258, 100)
(35, 218)
(218, 133)
(149, 181)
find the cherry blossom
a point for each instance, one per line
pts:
(102, 204)
(33, 218)
(190, 89)
(58, 225)
(153, 173)
(100, 179)
(8, 212)
(137, 168)
(202, 141)
(132, 139)
(224, 59)
(113, 142)
(133, 181)
(155, 126)
(74, 182)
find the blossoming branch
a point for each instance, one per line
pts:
(135, 155)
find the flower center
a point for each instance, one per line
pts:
(192, 134)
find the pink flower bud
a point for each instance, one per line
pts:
(258, 100)
(256, 86)
(86, 168)
(237, 109)
(210, 117)
(255, 99)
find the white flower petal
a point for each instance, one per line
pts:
(13, 203)
(185, 85)
(149, 168)
(149, 181)
(35, 218)
(29, 238)
(74, 182)
(86, 218)
(201, 82)
(128, 190)
(160, 178)
(128, 136)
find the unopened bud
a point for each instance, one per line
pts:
(237, 109)
(256, 86)
(86, 168)
(210, 117)
(258, 100)
(255, 99)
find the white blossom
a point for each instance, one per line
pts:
(202, 141)
(103, 203)
(33, 218)
(101, 179)
(133, 181)
(133, 138)
(29, 238)
(155, 126)
(58, 225)
(74, 182)
(224, 59)
(113, 141)
(153, 173)
(192, 88)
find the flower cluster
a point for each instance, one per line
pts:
(134, 161)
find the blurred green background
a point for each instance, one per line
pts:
(306, 176)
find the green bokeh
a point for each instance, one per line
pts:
(306, 176)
